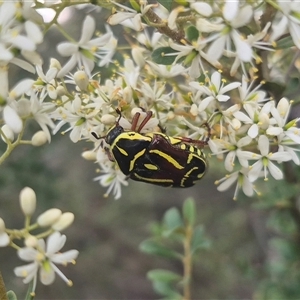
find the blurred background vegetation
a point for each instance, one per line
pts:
(254, 242)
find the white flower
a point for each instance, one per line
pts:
(215, 90)
(235, 17)
(4, 237)
(242, 182)
(288, 18)
(83, 52)
(265, 161)
(112, 178)
(193, 54)
(43, 259)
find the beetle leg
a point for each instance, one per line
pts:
(198, 142)
(135, 120)
(144, 122)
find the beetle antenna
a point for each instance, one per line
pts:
(208, 132)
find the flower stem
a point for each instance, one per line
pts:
(3, 295)
(187, 263)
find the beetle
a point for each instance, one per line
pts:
(155, 157)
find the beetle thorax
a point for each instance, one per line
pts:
(113, 134)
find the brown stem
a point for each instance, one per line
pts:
(187, 263)
(3, 295)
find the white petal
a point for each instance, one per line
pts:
(275, 171)
(33, 32)
(253, 131)
(4, 239)
(295, 33)
(55, 242)
(12, 119)
(229, 161)
(47, 276)
(68, 66)
(119, 17)
(216, 48)
(230, 10)
(254, 172)
(202, 8)
(229, 87)
(23, 42)
(222, 98)
(243, 49)
(67, 49)
(88, 29)
(274, 130)
(27, 254)
(66, 257)
(216, 80)
(264, 145)
(247, 187)
(228, 182)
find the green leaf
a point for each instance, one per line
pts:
(163, 276)
(286, 42)
(159, 56)
(189, 211)
(192, 33)
(11, 295)
(166, 3)
(172, 221)
(153, 248)
(166, 290)
(199, 241)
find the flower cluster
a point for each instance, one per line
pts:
(42, 256)
(209, 72)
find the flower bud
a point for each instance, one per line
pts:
(54, 63)
(31, 241)
(60, 90)
(194, 110)
(28, 201)
(138, 56)
(89, 155)
(4, 238)
(2, 226)
(39, 138)
(127, 94)
(49, 217)
(108, 119)
(81, 80)
(65, 220)
(9, 134)
(136, 110)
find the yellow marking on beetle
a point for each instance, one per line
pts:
(153, 179)
(150, 167)
(132, 162)
(168, 158)
(190, 171)
(183, 146)
(130, 135)
(122, 151)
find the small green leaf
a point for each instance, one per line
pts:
(172, 219)
(192, 33)
(11, 295)
(286, 42)
(189, 211)
(199, 241)
(153, 248)
(166, 290)
(159, 56)
(163, 276)
(166, 3)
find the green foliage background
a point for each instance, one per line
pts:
(254, 242)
